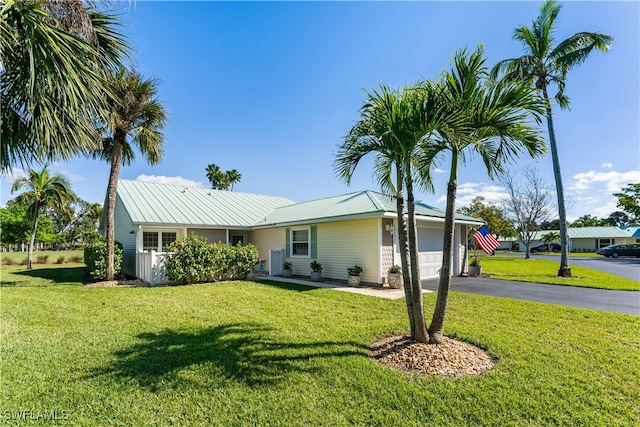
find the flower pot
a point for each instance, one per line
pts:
(287, 273)
(353, 280)
(395, 280)
(316, 276)
(475, 270)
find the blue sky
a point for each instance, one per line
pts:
(270, 88)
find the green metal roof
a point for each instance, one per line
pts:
(359, 204)
(592, 232)
(152, 203)
(161, 204)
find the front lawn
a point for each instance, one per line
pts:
(246, 353)
(546, 271)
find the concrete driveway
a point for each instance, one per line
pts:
(627, 302)
(628, 267)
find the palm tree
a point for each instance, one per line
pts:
(496, 129)
(233, 177)
(54, 56)
(549, 238)
(42, 190)
(544, 64)
(394, 125)
(134, 118)
(374, 133)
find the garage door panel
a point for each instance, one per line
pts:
(429, 251)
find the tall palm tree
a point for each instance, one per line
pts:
(394, 125)
(496, 128)
(233, 177)
(374, 133)
(543, 64)
(135, 118)
(54, 57)
(42, 190)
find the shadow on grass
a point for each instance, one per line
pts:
(56, 275)
(287, 285)
(241, 352)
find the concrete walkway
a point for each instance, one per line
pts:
(380, 293)
(627, 302)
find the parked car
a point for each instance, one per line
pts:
(543, 247)
(619, 250)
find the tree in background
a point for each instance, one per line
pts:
(41, 190)
(549, 238)
(134, 118)
(221, 180)
(546, 63)
(55, 56)
(527, 204)
(233, 177)
(619, 218)
(492, 215)
(629, 201)
(496, 115)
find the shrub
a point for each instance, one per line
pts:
(42, 259)
(60, 260)
(193, 260)
(354, 270)
(7, 261)
(95, 256)
(25, 261)
(316, 266)
(190, 260)
(76, 259)
(287, 266)
(395, 269)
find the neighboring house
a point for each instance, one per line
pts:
(340, 231)
(590, 239)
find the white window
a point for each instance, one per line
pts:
(158, 241)
(300, 242)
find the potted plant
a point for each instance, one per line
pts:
(394, 277)
(475, 269)
(287, 269)
(316, 270)
(354, 275)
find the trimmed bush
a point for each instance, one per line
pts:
(95, 257)
(60, 260)
(42, 259)
(76, 259)
(7, 261)
(25, 261)
(192, 260)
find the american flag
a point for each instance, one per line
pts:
(485, 239)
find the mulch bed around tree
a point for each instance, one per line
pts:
(452, 358)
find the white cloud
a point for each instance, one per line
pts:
(436, 170)
(72, 177)
(607, 165)
(173, 180)
(612, 181)
(470, 190)
(14, 174)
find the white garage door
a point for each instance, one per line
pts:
(430, 251)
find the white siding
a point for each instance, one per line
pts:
(123, 234)
(272, 238)
(345, 243)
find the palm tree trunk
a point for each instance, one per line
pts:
(420, 333)
(116, 162)
(565, 270)
(402, 244)
(436, 329)
(33, 237)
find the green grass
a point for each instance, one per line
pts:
(248, 353)
(52, 256)
(546, 271)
